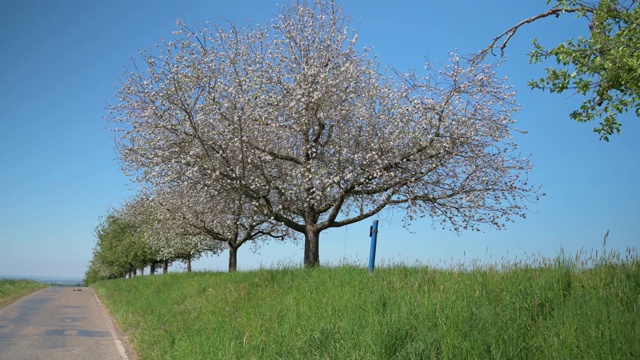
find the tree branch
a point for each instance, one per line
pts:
(509, 33)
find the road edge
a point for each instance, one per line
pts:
(120, 338)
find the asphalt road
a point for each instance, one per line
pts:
(65, 323)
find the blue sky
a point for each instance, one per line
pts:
(61, 62)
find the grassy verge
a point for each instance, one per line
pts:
(551, 310)
(12, 290)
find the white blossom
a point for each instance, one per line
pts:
(292, 116)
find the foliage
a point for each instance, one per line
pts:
(604, 67)
(118, 251)
(304, 126)
(540, 309)
(170, 239)
(94, 272)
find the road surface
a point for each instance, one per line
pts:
(60, 323)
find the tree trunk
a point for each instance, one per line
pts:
(189, 263)
(152, 269)
(165, 266)
(311, 247)
(233, 258)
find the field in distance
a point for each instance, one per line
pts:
(12, 290)
(549, 309)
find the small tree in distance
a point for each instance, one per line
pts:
(303, 125)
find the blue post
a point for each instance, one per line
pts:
(373, 233)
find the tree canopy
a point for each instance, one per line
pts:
(604, 67)
(119, 250)
(305, 126)
(194, 219)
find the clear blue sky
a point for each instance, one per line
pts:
(60, 62)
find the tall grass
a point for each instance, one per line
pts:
(12, 290)
(546, 309)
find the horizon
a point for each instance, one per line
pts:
(34, 277)
(591, 257)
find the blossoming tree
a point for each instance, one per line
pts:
(202, 219)
(171, 240)
(304, 126)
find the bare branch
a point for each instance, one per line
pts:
(509, 33)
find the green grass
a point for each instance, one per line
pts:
(553, 309)
(12, 290)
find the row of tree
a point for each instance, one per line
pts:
(243, 133)
(153, 231)
(124, 248)
(118, 252)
